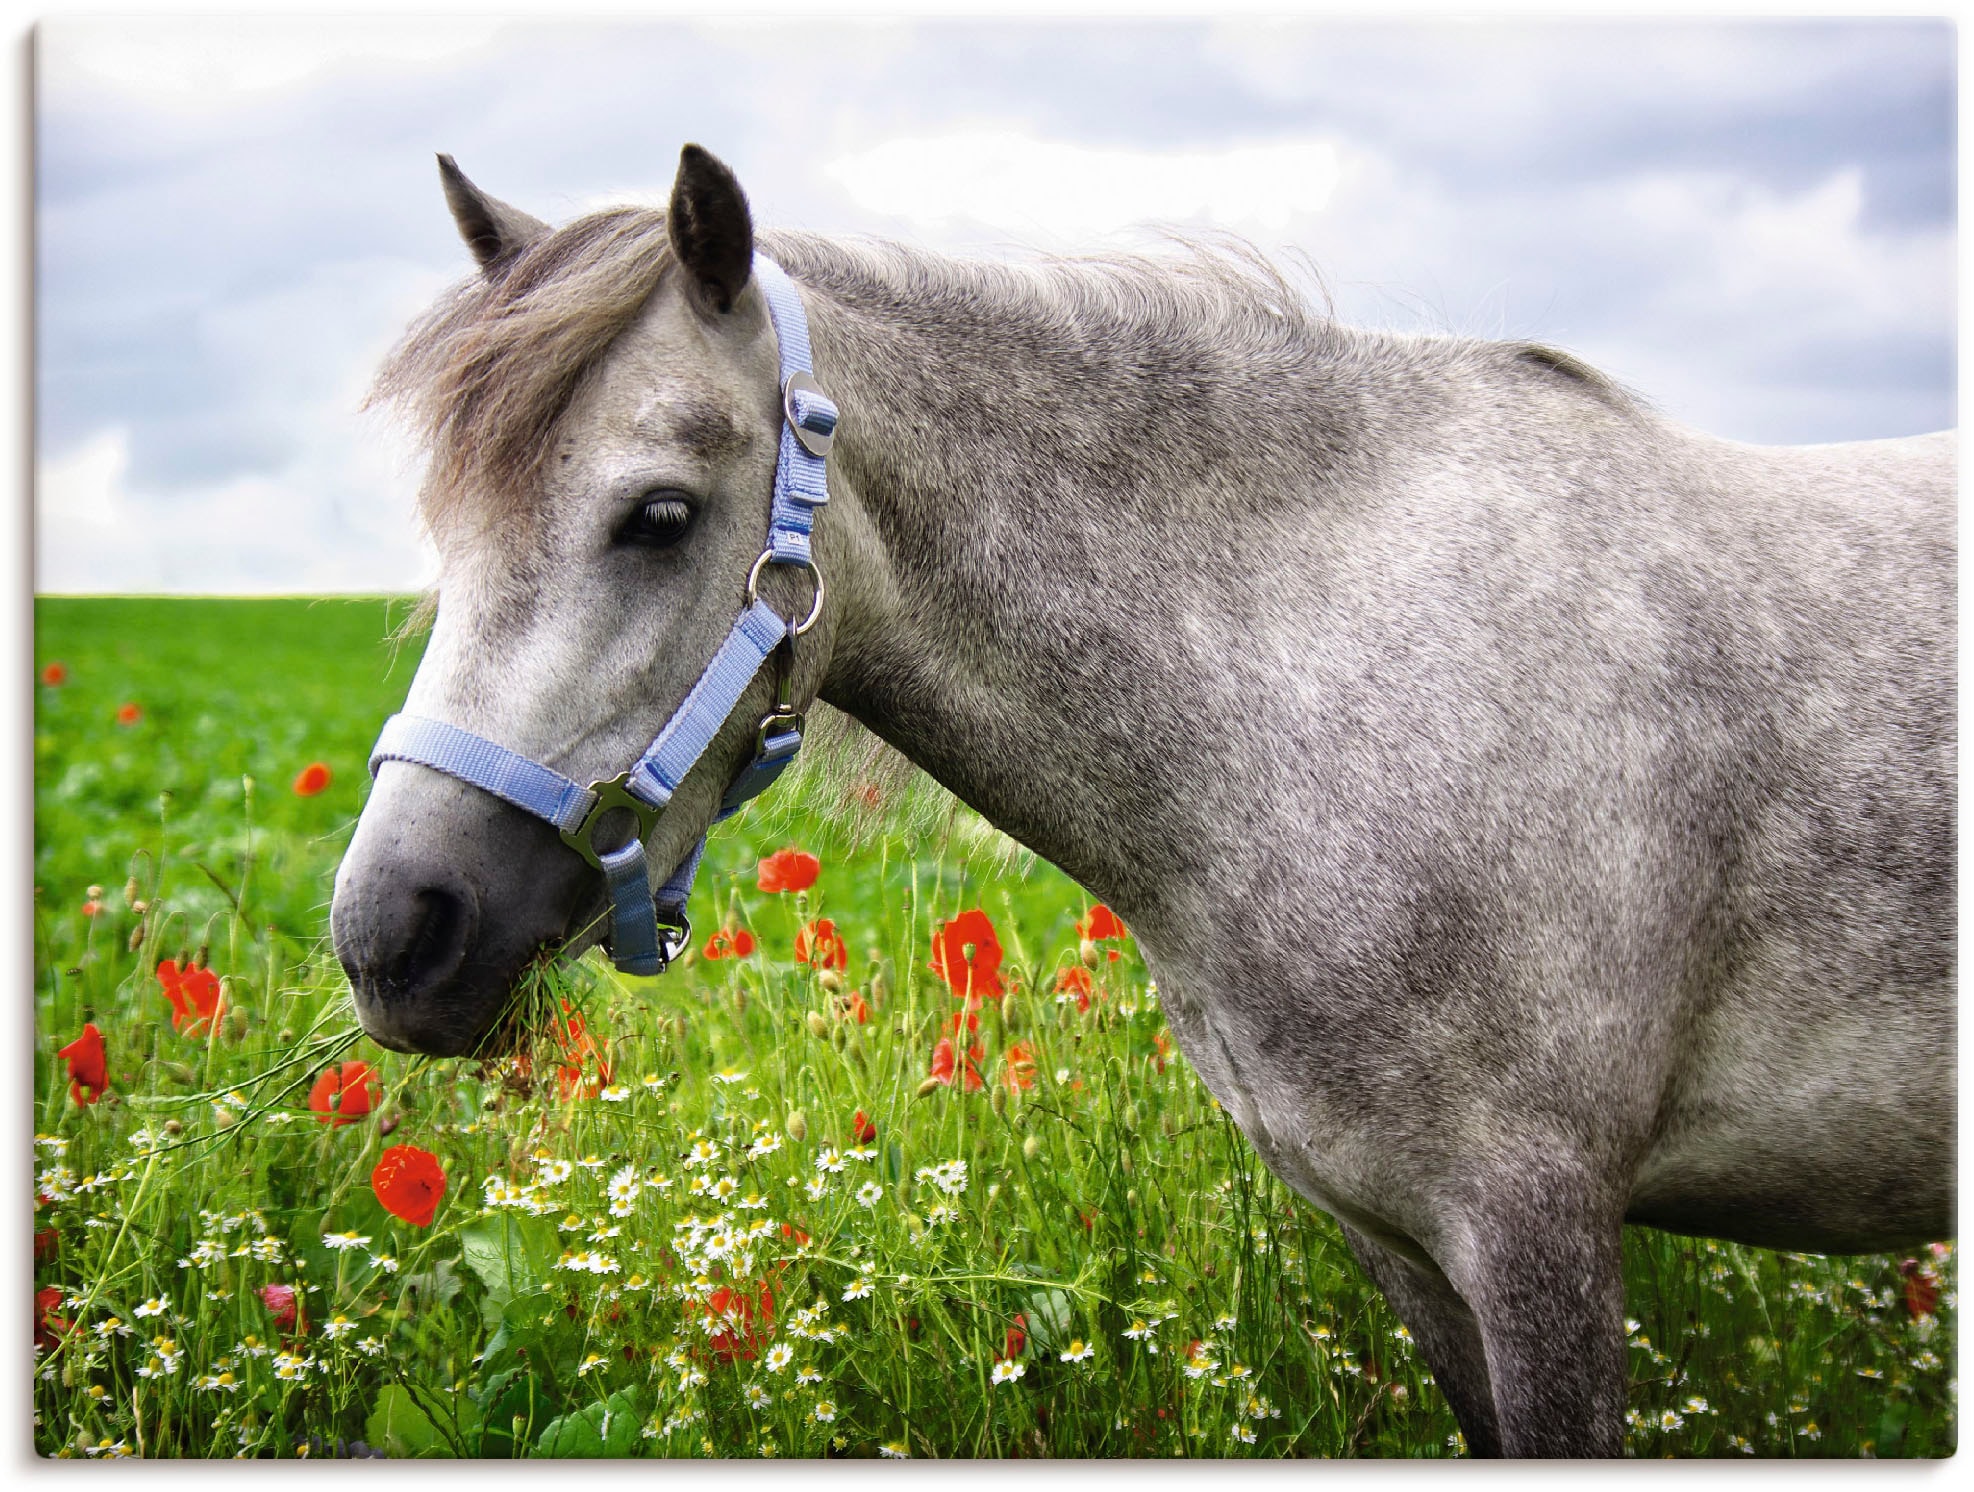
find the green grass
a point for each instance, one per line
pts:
(1110, 1204)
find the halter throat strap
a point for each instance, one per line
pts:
(637, 915)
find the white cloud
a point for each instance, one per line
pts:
(1062, 189)
(304, 529)
(194, 62)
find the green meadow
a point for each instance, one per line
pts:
(732, 1211)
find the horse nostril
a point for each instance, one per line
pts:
(441, 924)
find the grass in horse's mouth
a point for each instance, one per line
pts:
(530, 1013)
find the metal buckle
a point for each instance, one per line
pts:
(814, 443)
(768, 557)
(670, 948)
(778, 722)
(609, 795)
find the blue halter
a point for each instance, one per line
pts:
(801, 477)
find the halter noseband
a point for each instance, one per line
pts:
(801, 487)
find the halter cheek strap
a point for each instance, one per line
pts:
(636, 915)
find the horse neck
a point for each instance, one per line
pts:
(1051, 495)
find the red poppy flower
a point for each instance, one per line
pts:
(1922, 1288)
(48, 1327)
(47, 1243)
(129, 713)
(286, 1306)
(89, 1067)
(54, 675)
(344, 1094)
(92, 908)
(409, 1182)
(967, 955)
(963, 1017)
(859, 1007)
(1019, 1073)
(789, 870)
(817, 944)
(575, 1074)
(194, 995)
(789, 1230)
(311, 780)
(1017, 1339)
(1099, 923)
(1075, 980)
(861, 1129)
(744, 1325)
(944, 1060)
(1163, 1043)
(730, 942)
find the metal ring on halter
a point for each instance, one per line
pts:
(767, 558)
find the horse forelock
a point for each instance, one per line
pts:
(484, 376)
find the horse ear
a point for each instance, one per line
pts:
(711, 230)
(494, 231)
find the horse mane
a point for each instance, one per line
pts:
(485, 374)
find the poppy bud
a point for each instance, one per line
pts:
(798, 1126)
(236, 1023)
(389, 1120)
(94, 893)
(998, 1100)
(285, 1035)
(1130, 1196)
(1129, 1118)
(136, 938)
(130, 893)
(1011, 1013)
(930, 1085)
(178, 1072)
(818, 1025)
(830, 980)
(204, 960)
(739, 998)
(879, 986)
(140, 906)
(1031, 1147)
(173, 1128)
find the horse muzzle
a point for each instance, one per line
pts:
(440, 906)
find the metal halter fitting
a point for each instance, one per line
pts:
(626, 808)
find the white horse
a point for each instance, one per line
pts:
(1538, 817)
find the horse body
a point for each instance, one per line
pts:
(1536, 816)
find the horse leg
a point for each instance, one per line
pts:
(1445, 1331)
(1540, 1264)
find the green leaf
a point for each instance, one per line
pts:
(1049, 1315)
(398, 1427)
(622, 1424)
(611, 1428)
(512, 1403)
(436, 1286)
(571, 1436)
(511, 1255)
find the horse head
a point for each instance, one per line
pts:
(602, 408)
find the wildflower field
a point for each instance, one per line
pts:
(901, 1161)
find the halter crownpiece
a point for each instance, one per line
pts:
(809, 420)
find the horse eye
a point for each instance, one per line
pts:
(658, 522)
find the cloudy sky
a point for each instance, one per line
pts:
(1752, 224)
